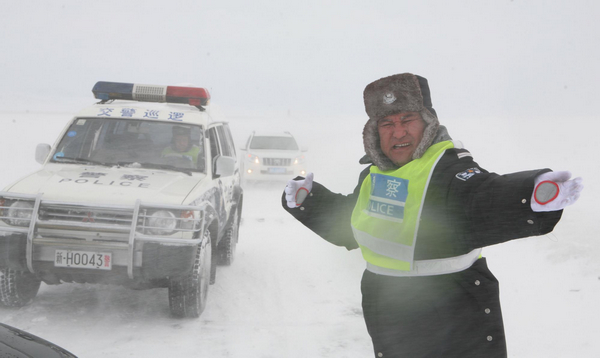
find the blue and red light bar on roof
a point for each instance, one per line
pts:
(195, 96)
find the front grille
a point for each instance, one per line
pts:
(49, 224)
(61, 217)
(277, 162)
(72, 214)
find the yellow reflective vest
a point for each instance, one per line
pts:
(385, 220)
(191, 154)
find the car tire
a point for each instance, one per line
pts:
(17, 288)
(188, 293)
(226, 249)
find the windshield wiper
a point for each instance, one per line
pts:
(157, 166)
(79, 160)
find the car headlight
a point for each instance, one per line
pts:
(253, 158)
(19, 213)
(162, 222)
(299, 160)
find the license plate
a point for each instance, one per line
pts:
(83, 259)
(277, 170)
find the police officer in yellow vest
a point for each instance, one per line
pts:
(420, 214)
(182, 146)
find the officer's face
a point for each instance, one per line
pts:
(400, 134)
(181, 142)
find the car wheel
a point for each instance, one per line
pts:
(226, 249)
(188, 293)
(17, 288)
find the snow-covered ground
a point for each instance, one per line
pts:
(290, 294)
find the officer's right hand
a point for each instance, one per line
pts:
(297, 190)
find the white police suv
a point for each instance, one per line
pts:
(272, 156)
(141, 189)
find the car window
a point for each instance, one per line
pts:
(229, 137)
(126, 141)
(214, 145)
(226, 147)
(273, 142)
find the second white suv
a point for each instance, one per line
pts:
(272, 156)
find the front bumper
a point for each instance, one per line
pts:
(151, 260)
(120, 230)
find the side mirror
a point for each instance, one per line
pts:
(41, 152)
(303, 148)
(224, 166)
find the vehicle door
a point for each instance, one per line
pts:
(222, 145)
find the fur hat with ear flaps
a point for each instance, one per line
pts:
(391, 95)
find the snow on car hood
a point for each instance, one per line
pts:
(116, 185)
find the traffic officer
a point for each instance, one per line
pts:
(420, 214)
(181, 145)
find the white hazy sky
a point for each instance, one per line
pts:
(502, 58)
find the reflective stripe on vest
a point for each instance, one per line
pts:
(385, 220)
(432, 267)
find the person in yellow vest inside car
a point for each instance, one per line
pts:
(420, 214)
(182, 146)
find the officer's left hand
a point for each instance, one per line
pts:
(554, 191)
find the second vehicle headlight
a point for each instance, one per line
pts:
(253, 158)
(162, 222)
(299, 160)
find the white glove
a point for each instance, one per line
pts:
(554, 191)
(297, 190)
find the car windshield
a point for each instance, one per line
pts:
(129, 142)
(270, 142)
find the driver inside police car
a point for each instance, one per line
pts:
(181, 145)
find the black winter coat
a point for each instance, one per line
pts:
(451, 315)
